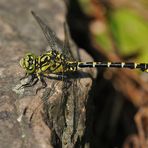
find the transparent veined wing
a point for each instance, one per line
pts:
(66, 47)
(50, 35)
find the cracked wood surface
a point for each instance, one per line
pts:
(20, 34)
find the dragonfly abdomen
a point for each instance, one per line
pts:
(142, 66)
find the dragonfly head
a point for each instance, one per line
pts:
(28, 63)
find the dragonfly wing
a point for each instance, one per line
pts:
(50, 35)
(66, 48)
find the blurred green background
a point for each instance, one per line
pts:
(127, 22)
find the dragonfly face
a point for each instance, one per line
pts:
(28, 63)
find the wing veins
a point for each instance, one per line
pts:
(50, 35)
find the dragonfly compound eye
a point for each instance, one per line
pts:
(22, 63)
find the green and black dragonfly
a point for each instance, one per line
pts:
(56, 63)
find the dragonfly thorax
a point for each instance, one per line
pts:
(55, 62)
(50, 62)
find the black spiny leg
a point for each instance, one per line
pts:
(30, 83)
(25, 76)
(44, 85)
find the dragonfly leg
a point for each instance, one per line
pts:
(44, 85)
(30, 83)
(25, 76)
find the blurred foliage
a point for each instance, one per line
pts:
(128, 28)
(130, 32)
(86, 6)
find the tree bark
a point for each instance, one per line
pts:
(58, 117)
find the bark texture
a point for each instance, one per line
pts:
(59, 117)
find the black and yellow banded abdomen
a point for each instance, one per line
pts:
(142, 66)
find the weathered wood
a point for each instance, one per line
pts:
(52, 123)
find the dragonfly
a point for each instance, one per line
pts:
(56, 64)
